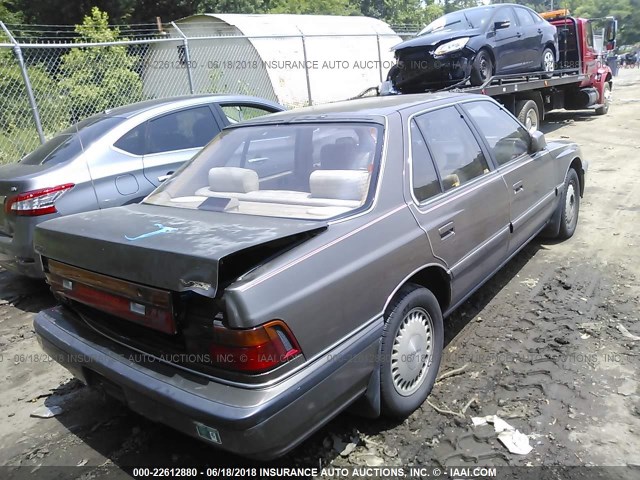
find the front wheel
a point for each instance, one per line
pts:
(412, 342)
(570, 205)
(482, 68)
(606, 100)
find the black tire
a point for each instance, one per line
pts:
(545, 66)
(607, 99)
(411, 310)
(482, 68)
(569, 205)
(527, 111)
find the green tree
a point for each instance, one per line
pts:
(453, 5)
(231, 6)
(402, 12)
(9, 13)
(627, 12)
(96, 78)
(315, 7)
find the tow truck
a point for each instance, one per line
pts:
(581, 80)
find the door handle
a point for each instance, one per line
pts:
(447, 230)
(518, 34)
(539, 30)
(518, 187)
(162, 178)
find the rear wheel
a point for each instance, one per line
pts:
(482, 68)
(412, 342)
(606, 94)
(570, 205)
(528, 114)
(548, 63)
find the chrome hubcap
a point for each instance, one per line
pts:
(412, 351)
(570, 204)
(548, 62)
(531, 120)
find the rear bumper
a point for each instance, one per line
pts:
(261, 423)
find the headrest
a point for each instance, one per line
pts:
(233, 179)
(336, 156)
(450, 181)
(339, 184)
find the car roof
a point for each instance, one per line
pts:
(128, 111)
(361, 109)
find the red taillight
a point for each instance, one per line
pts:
(36, 202)
(254, 350)
(147, 306)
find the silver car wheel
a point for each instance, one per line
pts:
(412, 350)
(570, 204)
(548, 61)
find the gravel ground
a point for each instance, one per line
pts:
(547, 345)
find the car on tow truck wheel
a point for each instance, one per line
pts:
(482, 69)
(548, 62)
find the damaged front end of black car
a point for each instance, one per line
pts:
(421, 68)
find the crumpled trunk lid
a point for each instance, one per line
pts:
(169, 248)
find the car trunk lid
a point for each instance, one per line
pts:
(169, 248)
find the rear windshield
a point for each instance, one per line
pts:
(71, 142)
(461, 20)
(311, 171)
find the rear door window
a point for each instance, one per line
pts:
(190, 128)
(455, 150)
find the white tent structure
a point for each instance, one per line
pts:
(292, 59)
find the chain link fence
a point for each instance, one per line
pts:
(47, 87)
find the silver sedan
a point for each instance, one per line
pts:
(114, 158)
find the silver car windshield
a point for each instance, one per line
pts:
(310, 171)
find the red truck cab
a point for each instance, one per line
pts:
(578, 50)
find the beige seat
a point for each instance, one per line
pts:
(230, 182)
(339, 184)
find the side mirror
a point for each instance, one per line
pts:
(501, 25)
(538, 142)
(610, 30)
